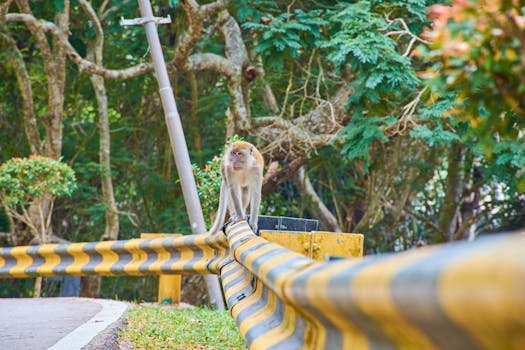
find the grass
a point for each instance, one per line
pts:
(161, 327)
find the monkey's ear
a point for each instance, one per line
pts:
(251, 149)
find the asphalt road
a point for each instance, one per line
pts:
(56, 323)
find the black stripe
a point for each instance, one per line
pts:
(95, 257)
(415, 291)
(266, 325)
(66, 259)
(152, 255)
(296, 340)
(174, 253)
(124, 257)
(231, 269)
(38, 260)
(9, 261)
(189, 266)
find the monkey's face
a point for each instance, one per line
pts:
(240, 158)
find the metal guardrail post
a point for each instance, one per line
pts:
(318, 245)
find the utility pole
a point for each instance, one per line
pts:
(176, 134)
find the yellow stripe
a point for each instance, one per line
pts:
(280, 333)
(186, 255)
(260, 315)
(233, 276)
(322, 297)
(109, 257)
(267, 266)
(162, 255)
(23, 261)
(80, 258)
(252, 256)
(51, 259)
(493, 283)
(371, 292)
(238, 287)
(138, 256)
(246, 302)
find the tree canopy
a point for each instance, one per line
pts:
(405, 117)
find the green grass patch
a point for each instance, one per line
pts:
(162, 327)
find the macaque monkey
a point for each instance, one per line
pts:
(241, 171)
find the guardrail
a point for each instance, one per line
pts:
(467, 295)
(189, 254)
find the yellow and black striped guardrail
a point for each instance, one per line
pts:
(468, 295)
(189, 254)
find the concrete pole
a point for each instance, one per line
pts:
(178, 143)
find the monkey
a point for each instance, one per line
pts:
(241, 171)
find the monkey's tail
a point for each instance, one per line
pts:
(221, 212)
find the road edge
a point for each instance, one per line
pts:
(111, 312)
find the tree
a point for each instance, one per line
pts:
(344, 98)
(476, 61)
(33, 183)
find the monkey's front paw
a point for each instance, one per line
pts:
(254, 228)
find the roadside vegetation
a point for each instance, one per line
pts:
(166, 327)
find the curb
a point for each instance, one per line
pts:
(90, 335)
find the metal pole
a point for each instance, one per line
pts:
(178, 142)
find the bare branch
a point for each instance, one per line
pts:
(212, 8)
(211, 61)
(99, 38)
(276, 177)
(405, 31)
(318, 208)
(84, 65)
(304, 134)
(406, 121)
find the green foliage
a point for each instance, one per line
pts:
(359, 40)
(512, 154)
(157, 327)
(174, 3)
(510, 160)
(253, 11)
(434, 137)
(287, 35)
(383, 76)
(360, 134)
(24, 180)
(59, 5)
(475, 52)
(208, 185)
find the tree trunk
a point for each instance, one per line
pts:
(111, 230)
(449, 214)
(26, 92)
(95, 53)
(90, 286)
